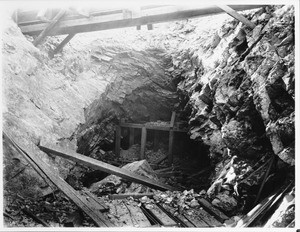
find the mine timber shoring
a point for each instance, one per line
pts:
(102, 166)
(116, 19)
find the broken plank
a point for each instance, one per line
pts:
(99, 165)
(49, 28)
(133, 195)
(164, 219)
(98, 218)
(213, 210)
(143, 142)
(237, 16)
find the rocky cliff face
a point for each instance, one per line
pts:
(240, 91)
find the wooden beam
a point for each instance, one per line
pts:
(62, 44)
(49, 28)
(237, 16)
(212, 210)
(131, 136)
(173, 119)
(118, 141)
(171, 138)
(143, 142)
(133, 195)
(97, 217)
(151, 127)
(170, 151)
(99, 165)
(115, 20)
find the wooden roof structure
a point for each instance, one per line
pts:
(70, 22)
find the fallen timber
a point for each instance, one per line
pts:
(99, 165)
(46, 172)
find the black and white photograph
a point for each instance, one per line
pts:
(149, 115)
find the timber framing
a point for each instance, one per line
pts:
(113, 19)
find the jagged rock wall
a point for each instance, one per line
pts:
(141, 91)
(243, 102)
(240, 91)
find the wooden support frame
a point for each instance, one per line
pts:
(102, 166)
(115, 19)
(49, 28)
(237, 16)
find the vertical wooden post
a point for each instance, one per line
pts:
(118, 140)
(143, 142)
(131, 136)
(170, 152)
(156, 140)
(171, 138)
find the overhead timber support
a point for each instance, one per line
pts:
(237, 16)
(115, 18)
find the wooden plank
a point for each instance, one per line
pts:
(131, 125)
(131, 136)
(133, 195)
(143, 142)
(115, 20)
(262, 206)
(213, 210)
(99, 165)
(209, 219)
(198, 222)
(162, 216)
(237, 16)
(98, 218)
(156, 140)
(62, 44)
(182, 220)
(170, 151)
(118, 141)
(49, 28)
(138, 215)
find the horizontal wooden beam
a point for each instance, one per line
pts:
(116, 20)
(151, 127)
(99, 165)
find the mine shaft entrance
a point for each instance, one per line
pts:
(168, 149)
